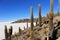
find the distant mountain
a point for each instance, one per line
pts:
(24, 20)
(35, 19)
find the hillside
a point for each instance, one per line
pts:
(46, 28)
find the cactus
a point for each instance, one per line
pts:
(39, 12)
(51, 5)
(51, 20)
(6, 33)
(43, 19)
(24, 28)
(31, 34)
(31, 31)
(27, 25)
(19, 31)
(58, 11)
(36, 22)
(51, 15)
(51, 9)
(47, 16)
(31, 10)
(58, 7)
(10, 32)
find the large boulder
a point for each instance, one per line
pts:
(56, 20)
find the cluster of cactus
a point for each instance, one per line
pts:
(8, 34)
(39, 13)
(31, 9)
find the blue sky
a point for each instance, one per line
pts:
(11, 10)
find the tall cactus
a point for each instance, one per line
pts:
(51, 14)
(19, 31)
(31, 32)
(58, 11)
(51, 5)
(58, 7)
(51, 9)
(39, 13)
(31, 11)
(10, 32)
(6, 33)
(50, 17)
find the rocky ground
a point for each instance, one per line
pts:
(39, 32)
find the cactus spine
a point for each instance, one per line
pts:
(31, 32)
(6, 34)
(39, 12)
